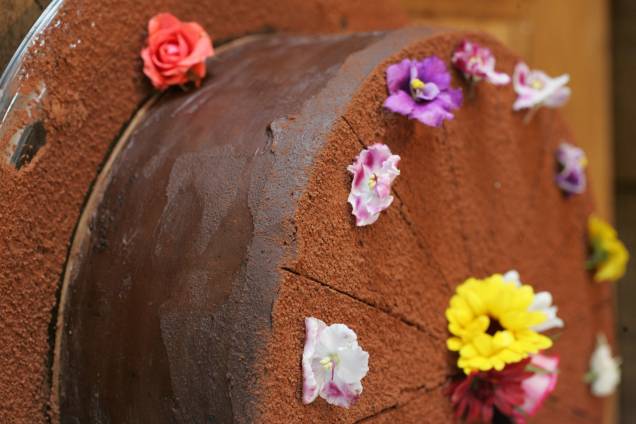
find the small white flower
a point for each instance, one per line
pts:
(542, 302)
(535, 88)
(333, 363)
(605, 371)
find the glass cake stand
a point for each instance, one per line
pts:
(21, 110)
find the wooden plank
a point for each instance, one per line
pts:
(515, 32)
(470, 8)
(572, 36)
(624, 35)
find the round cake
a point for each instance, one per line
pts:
(220, 222)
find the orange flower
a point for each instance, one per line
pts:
(175, 51)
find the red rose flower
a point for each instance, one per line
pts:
(175, 51)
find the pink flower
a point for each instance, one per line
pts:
(535, 88)
(543, 382)
(373, 173)
(477, 63)
(333, 364)
(480, 395)
(175, 51)
(517, 391)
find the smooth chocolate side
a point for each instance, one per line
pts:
(155, 309)
(88, 58)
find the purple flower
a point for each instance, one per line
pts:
(421, 90)
(477, 63)
(571, 163)
(373, 172)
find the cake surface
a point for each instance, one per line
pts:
(93, 90)
(223, 222)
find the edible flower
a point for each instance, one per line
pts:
(571, 164)
(374, 171)
(609, 256)
(516, 392)
(421, 90)
(175, 52)
(535, 89)
(333, 364)
(605, 370)
(479, 396)
(542, 302)
(538, 387)
(477, 63)
(492, 323)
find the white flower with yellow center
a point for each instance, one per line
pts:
(333, 363)
(535, 88)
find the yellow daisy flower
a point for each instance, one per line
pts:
(491, 324)
(609, 255)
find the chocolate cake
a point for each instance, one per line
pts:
(87, 57)
(220, 222)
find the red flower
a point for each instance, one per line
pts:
(476, 397)
(175, 51)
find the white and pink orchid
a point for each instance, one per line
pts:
(373, 172)
(534, 88)
(543, 382)
(477, 63)
(605, 370)
(333, 364)
(542, 302)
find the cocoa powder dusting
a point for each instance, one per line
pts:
(91, 67)
(475, 197)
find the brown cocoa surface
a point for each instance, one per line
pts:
(475, 197)
(168, 340)
(166, 298)
(89, 60)
(136, 343)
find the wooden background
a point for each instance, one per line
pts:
(555, 35)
